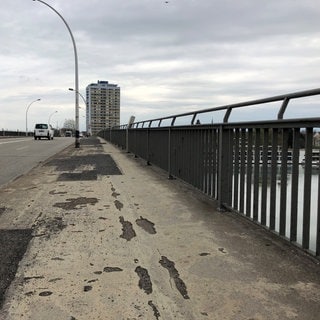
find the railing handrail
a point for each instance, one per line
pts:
(229, 107)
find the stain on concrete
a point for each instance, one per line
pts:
(112, 269)
(115, 194)
(127, 229)
(203, 254)
(46, 227)
(54, 192)
(156, 312)
(144, 281)
(174, 274)
(146, 225)
(118, 204)
(26, 279)
(87, 288)
(76, 203)
(2, 210)
(45, 293)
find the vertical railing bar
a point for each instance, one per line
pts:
(249, 173)
(235, 152)
(205, 160)
(273, 178)
(264, 176)
(256, 174)
(169, 154)
(215, 137)
(318, 214)
(283, 185)
(294, 184)
(242, 168)
(307, 189)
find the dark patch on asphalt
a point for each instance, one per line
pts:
(112, 269)
(115, 194)
(2, 210)
(203, 254)
(76, 203)
(222, 250)
(26, 279)
(127, 230)
(118, 204)
(54, 192)
(87, 288)
(55, 279)
(13, 245)
(86, 175)
(146, 225)
(101, 164)
(174, 274)
(46, 227)
(45, 293)
(156, 312)
(57, 259)
(145, 281)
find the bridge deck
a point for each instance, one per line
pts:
(113, 238)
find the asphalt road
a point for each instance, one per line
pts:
(19, 155)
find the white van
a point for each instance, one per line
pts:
(43, 130)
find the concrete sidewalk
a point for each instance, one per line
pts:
(113, 238)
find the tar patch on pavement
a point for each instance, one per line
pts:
(13, 245)
(85, 167)
(174, 274)
(76, 203)
(145, 281)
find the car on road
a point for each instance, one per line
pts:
(43, 130)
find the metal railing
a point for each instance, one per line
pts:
(267, 171)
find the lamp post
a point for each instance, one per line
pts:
(27, 114)
(77, 141)
(51, 116)
(87, 109)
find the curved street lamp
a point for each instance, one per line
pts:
(88, 110)
(77, 142)
(27, 114)
(51, 116)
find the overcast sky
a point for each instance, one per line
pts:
(168, 58)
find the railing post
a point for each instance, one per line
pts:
(169, 155)
(224, 158)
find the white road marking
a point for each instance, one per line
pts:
(14, 141)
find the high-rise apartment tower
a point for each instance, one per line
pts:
(103, 106)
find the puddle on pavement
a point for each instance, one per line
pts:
(145, 281)
(174, 274)
(146, 225)
(127, 230)
(76, 203)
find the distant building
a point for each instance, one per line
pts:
(103, 106)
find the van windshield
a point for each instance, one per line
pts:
(41, 126)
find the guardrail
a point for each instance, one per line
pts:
(267, 171)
